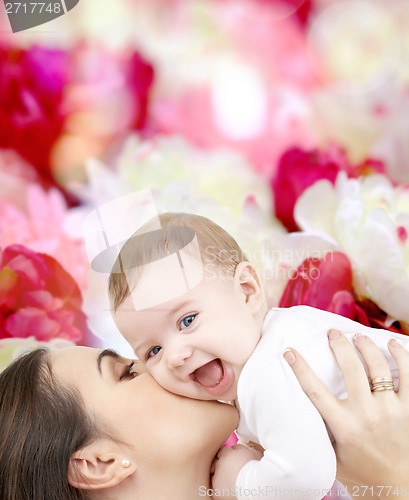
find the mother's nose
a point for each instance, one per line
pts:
(177, 355)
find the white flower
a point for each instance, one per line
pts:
(369, 219)
(182, 175)
(171, 163)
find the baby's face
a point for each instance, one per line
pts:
(195, 344)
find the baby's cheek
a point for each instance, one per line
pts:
(163, 379)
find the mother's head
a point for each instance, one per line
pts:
(83, 423)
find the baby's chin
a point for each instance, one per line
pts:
(203, 395)
(227, 396)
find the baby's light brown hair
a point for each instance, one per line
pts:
(217, 248)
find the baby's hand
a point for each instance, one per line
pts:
(227, 466)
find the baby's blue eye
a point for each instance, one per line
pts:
(187, 321)
(154, 351)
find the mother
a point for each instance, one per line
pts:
(81, 423)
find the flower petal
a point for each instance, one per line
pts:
(30, 322)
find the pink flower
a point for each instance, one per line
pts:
(38, 297)
(16, 175)
(194, 115)
(107, 80)
(37, 219)
(275, 44)
(327, 284)
(252, 91)
(31, 90)
(298, 169)
(300, 9)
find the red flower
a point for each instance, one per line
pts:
(298, 169)
(302, 8)
(31, 87)
(327, 284)
(38, 297)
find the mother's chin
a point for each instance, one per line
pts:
(212, 423)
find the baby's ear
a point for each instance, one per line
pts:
(248, 282)
(101, 464)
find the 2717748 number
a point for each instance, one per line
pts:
(376, 491)
(32, 7)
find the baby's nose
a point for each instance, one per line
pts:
(178, 355)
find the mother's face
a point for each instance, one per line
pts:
(139, 411)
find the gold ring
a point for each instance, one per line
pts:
(381, 380)
(383, 387)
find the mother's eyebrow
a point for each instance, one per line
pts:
(101, 356)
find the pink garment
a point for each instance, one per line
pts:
(233, 439)
(337, 492)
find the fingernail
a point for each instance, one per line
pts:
(393, 343)
(289, 356)
(356, 336)
(334, 334)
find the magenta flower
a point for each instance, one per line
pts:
(140, 80)
(302, 8)
(299, 169)
(85, 96)
(327, 284)
(31, 89)
(38, 298)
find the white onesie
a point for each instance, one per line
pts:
(299, 460)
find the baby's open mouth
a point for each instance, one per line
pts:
(212, 376)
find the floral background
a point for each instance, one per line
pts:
(284, 120)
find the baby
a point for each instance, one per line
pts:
(193, 309)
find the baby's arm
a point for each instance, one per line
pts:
(229, 461)
(266, 478)
(299, 461)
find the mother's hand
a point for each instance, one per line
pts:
(371, 429)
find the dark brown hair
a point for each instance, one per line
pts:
(41, 426)
(217, 248)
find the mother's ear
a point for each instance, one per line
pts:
(101, 464)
